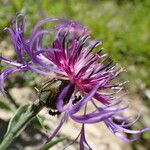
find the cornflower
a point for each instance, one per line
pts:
(79, 76)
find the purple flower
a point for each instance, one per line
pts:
(87, 77)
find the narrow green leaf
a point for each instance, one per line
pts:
(41, 122)
(53, 143)
(14, 120)
(38, 122)
(4, 106)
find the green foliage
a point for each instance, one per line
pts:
(4, 106)
(53, 143)
(1, 67)
(39, 123)
(123, 26)
(146, 135)
(14, 121)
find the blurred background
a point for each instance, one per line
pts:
(124, 28)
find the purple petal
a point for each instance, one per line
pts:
(9, 61)
(42, 22)
(132, 123)
(95, 117)
(36, 35)
(83, 141)
(118, 130)
(123, 138)
(60, 101)
(84, 101)
(15, 40)
(5, 73)
(55, 131)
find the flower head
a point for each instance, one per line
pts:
(82, 76)
(71, 28)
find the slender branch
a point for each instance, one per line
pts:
(12, 100)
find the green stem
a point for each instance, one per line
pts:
(12, 100)
(25, 118)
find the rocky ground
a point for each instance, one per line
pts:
(99, 137)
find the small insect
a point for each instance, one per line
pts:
(54, 88)
(77, 99)
(53, 113)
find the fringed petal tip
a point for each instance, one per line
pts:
(120, 129)
(137, 134)
(4, 75)
(125, 139)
